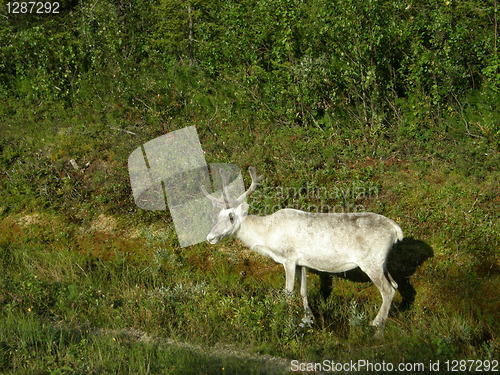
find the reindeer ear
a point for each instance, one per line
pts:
(243, 208)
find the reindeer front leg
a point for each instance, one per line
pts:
(289, 277)
(302, 275)
(290, 269)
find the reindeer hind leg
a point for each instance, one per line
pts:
(387, 288)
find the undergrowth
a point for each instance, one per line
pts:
(77, 255)
(401, 120)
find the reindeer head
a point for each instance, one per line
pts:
(233, 211)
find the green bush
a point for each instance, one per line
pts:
(399, 101)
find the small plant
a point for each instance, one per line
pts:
(357, 317)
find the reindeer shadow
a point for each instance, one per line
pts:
(403, 261)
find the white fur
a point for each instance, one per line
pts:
(321, 241)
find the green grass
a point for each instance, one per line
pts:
(63, 283)
(74, 264)
(31, 346)
(81, 265)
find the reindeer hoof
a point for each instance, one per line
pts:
(306, 321)
(379, 333)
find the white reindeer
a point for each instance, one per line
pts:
(329, 242)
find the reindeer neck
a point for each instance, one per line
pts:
(252, 231)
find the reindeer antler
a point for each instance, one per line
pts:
(255, 182)
(225, 200)
(220, 202)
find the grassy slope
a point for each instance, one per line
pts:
(77, 255)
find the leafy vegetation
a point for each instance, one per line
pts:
(376, 105)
